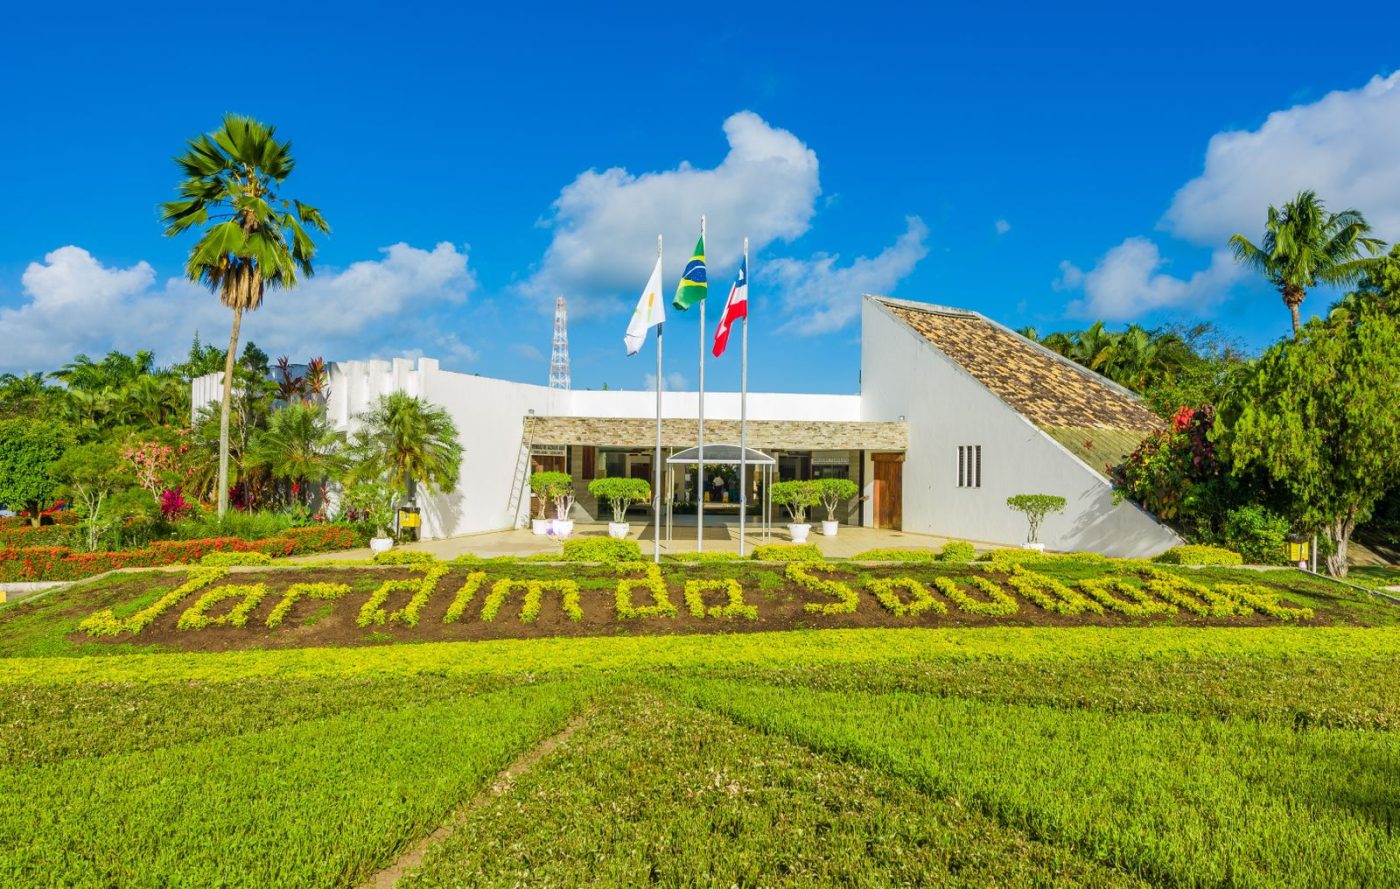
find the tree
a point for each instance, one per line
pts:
(1036, 507)
(28, 449)
(1380, 288)
(90, 474)
(550, 487)
(833, 492)
(620, 492)
(796, 497)
(300, 444)
(1319, 415)
(253, 238)
(1305, 245)
(404, 440)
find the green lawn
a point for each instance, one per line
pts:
(1250, 756)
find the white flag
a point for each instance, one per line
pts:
(650, 311)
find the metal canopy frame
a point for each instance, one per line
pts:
(725, 455)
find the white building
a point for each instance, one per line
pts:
(956, 413)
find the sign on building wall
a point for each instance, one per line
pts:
(830, 458)
(548, 450)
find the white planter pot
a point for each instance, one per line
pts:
(618, 530)
(829, 528)
(381, 544)
(799, 532)
(540, 526)
(1038, 547)
(561, 527)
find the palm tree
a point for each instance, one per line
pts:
(257, 239)
(404, 440)
(1304, 245)
(300, 444)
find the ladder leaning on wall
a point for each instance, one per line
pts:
(520, 482)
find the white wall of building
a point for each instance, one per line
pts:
(902, 374)
(718, 405)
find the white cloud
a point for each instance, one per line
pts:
(670, 382)
(74, 303)
(605, 223)
(1128, 282)
(1002, 226)
(1343, 146)
(818, 296)
(527, 352)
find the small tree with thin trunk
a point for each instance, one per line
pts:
(253, 240)
(1036, 507)
(834, 492)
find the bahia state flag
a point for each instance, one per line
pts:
(736, 307)
(692, 288)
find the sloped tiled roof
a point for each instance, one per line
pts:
(1096, 420)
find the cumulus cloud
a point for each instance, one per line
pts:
(1343, 146)
(1002, 226)
(819, 295)
(74, 303)
(605, 223)
(1128, 283)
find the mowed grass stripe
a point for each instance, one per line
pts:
(320, 803)
(1175, 799)
(49, 723)
(1297, 690)
(649, 792)
(776, 650)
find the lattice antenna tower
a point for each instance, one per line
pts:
(559, 358)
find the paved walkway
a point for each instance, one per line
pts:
(718, 538)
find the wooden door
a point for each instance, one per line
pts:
(889, 490)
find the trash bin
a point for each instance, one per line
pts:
(410, 523)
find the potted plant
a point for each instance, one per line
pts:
(796, 497)
(833, 492)
(1036, 507)
(546, 486)
(375, 503)
(620, 493)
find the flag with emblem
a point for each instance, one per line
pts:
(692, 288)
(650, 311)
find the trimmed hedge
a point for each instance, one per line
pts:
(601, 549)
(62, 563)
(404, 557)
(703, 558)
(788, 552)
(896, 555)
(1192, 554)
(231, 559)
(957, 551)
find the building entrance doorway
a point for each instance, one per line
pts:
(889, 491)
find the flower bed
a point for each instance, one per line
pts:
(29, 563)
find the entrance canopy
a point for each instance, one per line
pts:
(723, 454)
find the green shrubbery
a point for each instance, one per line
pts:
(957, 551)
(602, 549)
(896, 555)
(704, 558)
(1194, 554)
(1257, 534)
(787, 552)
(404, 557)
(230, 559)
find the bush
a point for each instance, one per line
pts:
(957, 551)
(244, 525)
(796, 497)
(787, 552)
(230, 559)
(1199, 555)
(404, 557)
(602, 549)
(1257, 534)
(896, 555)
(1013, 556)
(702, 558)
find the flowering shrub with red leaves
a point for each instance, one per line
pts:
(1176, 475)
(27, 563)
(172, 504)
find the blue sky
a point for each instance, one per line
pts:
(1042, 166)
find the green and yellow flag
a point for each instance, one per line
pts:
(692, 288)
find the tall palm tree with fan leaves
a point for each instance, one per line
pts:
(254, 239)
(1305, 245)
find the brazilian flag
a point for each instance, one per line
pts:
(692, 288)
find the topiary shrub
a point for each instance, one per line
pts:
(1193, 554)
(601, 549)
(896, 555)
(796, 497)
(1035, 507)
(229, 559)
(832, 492)
(957, 551)
(620, 493)
(551, 487)
(787, 552)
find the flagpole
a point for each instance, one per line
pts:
(744, 406)
(700, 479)
(656, 499)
